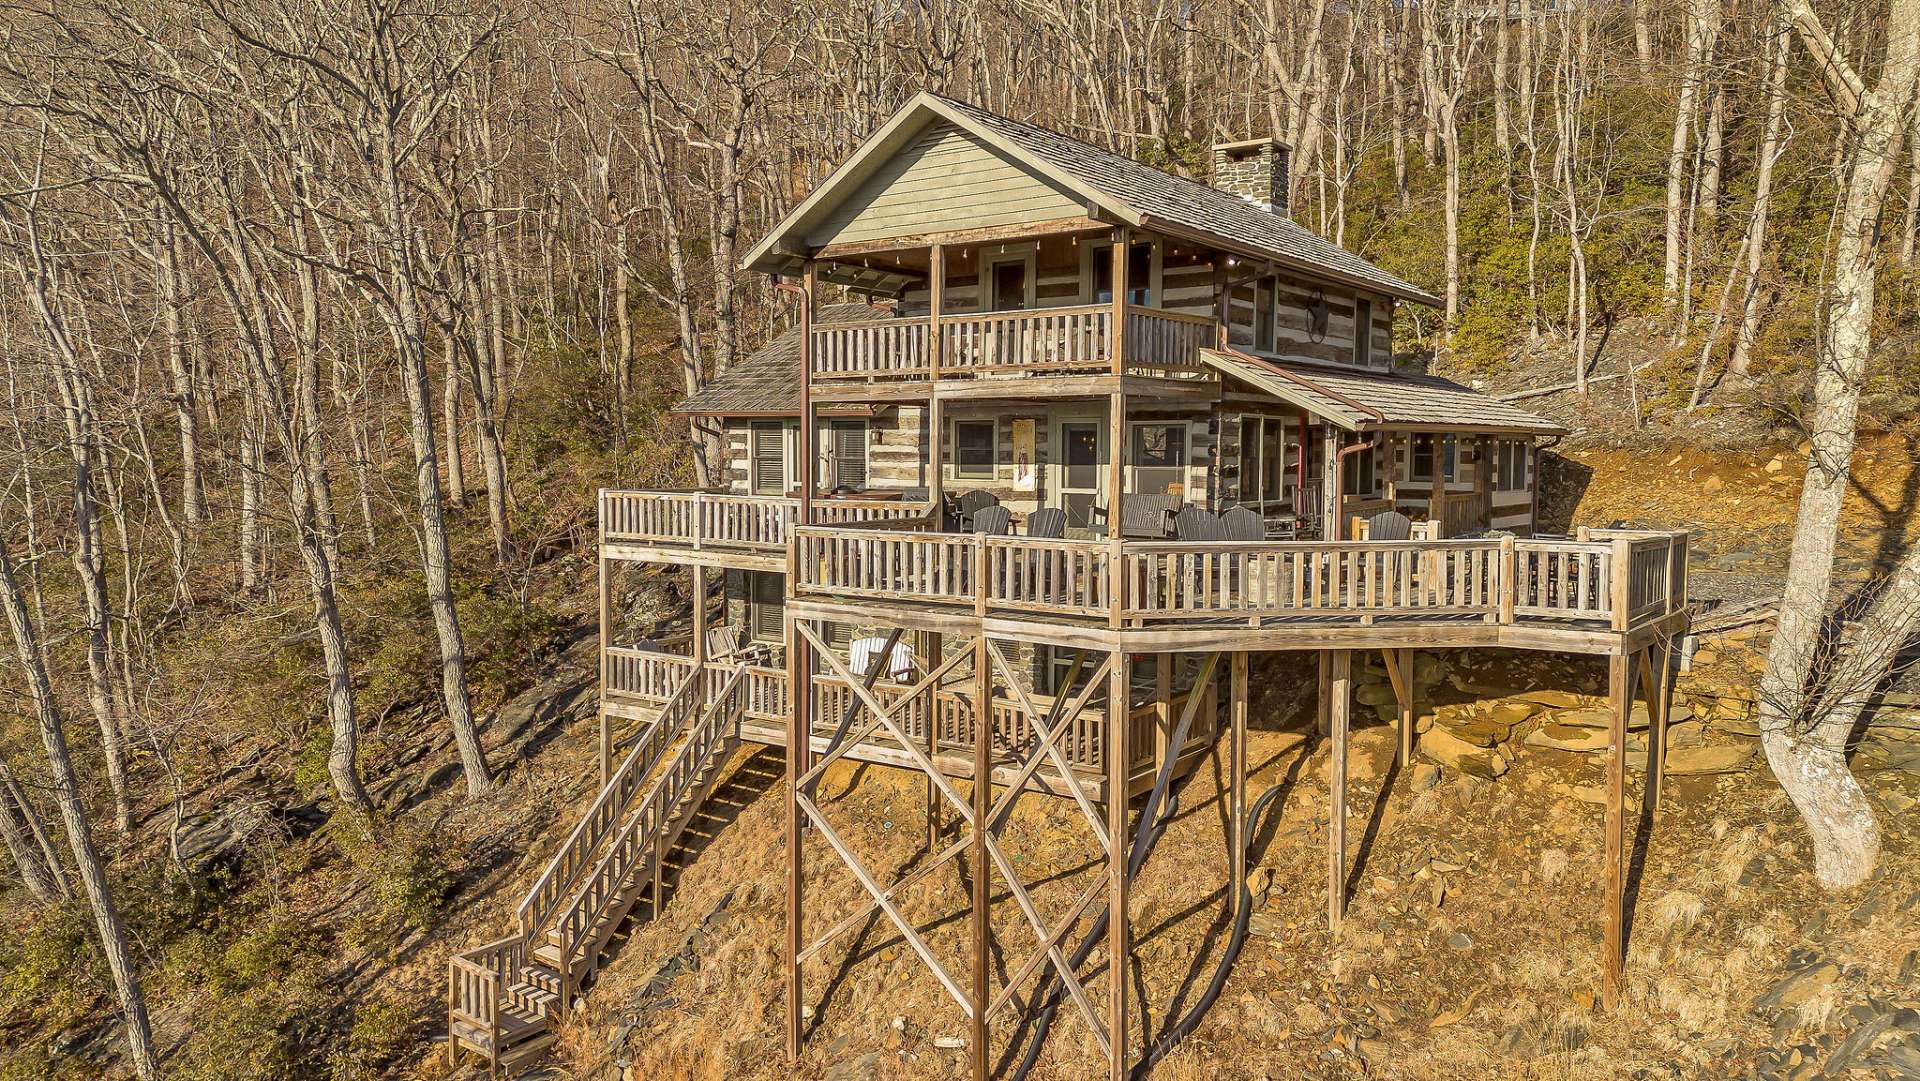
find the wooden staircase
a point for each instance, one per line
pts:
(505, 998)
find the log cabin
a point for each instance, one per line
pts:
(1058, 440)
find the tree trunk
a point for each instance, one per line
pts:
(17, 827)
(1801, 738)
(73, 814)
(193, 496)
(405, 323)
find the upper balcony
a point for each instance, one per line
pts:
(846, 357)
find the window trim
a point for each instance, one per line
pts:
(1349, 472)
(1266, 330)
(960, 472)
(1156, 272)
(1186, 454)
(827, 451)
(788, 431)
(1027, 254)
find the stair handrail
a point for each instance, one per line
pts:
(610, 806)
(650, 815)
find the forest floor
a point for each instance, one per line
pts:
(1471, 947)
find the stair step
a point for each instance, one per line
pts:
(516, 1027)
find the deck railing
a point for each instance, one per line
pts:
(1624, 579)
(722, 520)
(763, 697)
(1075, 338)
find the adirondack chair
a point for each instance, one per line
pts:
(972, 503)
(1242, 524)
(1047, 522)
(994, 521)
(1389, 525)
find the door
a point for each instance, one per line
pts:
(1009, 286)
(1080, 472)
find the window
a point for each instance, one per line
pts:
(846, 448)
(1263, 459)
(1263, 314)
(1356, 476)
(974, 443)
(1452, 458)
(766, 606)
(1362, 331)
(1424, 448)
(1160, 459)
(1420, 458)
(767, 471)
(1139, 274)
(1007, 280)
(1510, 465)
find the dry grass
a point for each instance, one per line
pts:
(1518, 1002)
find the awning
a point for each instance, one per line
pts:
(1371, 401)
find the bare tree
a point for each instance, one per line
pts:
(1804, 738)
(73, 814)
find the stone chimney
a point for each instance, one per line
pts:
(1255, 170)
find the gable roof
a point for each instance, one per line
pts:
(1360, 400)
(767, 383)
(1121, 188)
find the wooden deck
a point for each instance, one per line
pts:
(640, 683)
(1594, 593)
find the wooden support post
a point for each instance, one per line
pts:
(699, 622)
(935, 648)
(982, 873)
(936, 357)
(799, 677)
(1437, 490)
(1341, 688)
(800, 697)
(1323, 715)
(1484, 467)
(1334, 529)
(606, 643)
(1163, 706)
(1653, 690)
(1237, 781)
(1117, 426)
(1613, 961)
(1119, 757)
(1399, 665)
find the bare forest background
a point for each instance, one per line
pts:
(322, 322)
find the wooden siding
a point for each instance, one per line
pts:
(1293, 335)
(944, 180)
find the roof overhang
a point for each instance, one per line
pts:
(782, 250)
(1300, 386)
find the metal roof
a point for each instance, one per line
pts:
(1360, 400)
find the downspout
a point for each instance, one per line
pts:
(806, 452)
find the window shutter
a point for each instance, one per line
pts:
(768, 460)
(850, 455)
(767, 607)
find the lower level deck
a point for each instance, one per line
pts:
(639, 683)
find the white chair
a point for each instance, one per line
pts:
(865, 653)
